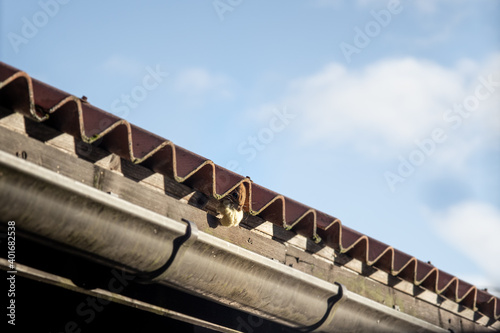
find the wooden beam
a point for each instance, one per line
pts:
(59, 281)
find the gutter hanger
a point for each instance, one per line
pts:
(54, 207)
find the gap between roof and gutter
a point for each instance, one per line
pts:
(79, 217)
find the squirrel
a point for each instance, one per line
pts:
(230, 208)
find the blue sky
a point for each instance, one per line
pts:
(384, 114)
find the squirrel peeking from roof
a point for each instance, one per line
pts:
(230, 208)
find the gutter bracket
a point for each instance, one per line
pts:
(180, 245)
(333, 304)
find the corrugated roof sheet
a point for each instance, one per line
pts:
(70, 114)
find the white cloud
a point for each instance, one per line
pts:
(473, 229)
(199, 81)
(384, 108)
(478, 130)
(123, 65)
(389, 103)
(488, 114)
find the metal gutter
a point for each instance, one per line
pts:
(55, 208)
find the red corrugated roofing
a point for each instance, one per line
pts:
(35, 99)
